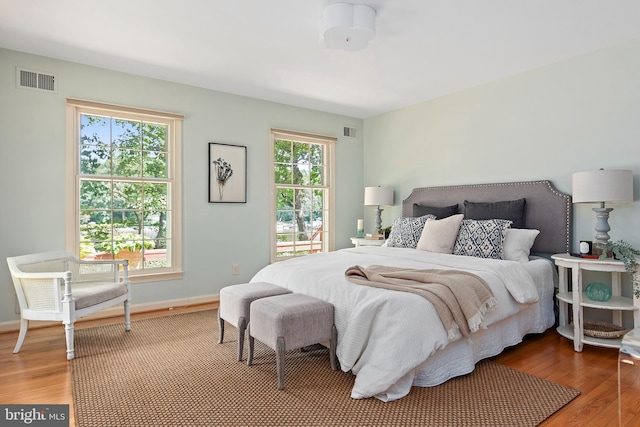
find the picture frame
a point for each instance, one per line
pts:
(227, 173)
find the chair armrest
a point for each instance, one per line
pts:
(102, 261)
(116, 268)
(41, 276)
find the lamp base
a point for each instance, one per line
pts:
(379, 220)
(602, 225)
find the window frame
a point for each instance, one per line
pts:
(329, 186)
(77, 107)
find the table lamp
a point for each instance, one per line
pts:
(601, 186)
(378, 196)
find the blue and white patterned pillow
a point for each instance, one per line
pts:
(481, 238)
(405, 232)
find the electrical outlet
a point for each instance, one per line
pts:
(235, 269)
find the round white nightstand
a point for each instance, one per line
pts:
(578, 300)
(361, 241)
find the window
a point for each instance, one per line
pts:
(302, 196)
(125, 184)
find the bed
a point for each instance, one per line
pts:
(394, 340)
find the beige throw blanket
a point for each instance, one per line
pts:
(461, 299)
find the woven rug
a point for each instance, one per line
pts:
(170, 371)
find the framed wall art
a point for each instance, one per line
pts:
(227, 173)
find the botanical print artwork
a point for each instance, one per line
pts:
(227, 173)
(223, 173)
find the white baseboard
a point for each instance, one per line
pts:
(14, 325)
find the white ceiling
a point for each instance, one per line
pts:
(270, 49)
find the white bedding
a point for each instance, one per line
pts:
(385, 337)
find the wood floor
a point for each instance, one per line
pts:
(40, 373)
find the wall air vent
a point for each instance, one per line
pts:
(349, 132)
(35, 80)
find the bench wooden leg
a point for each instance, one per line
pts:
(251, 340)
(220, 328)
(242, 326)
(280, 362)
(332, 347)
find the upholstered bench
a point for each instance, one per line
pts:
(289, 322)
(234, 306)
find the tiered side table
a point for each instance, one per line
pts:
(578, 299)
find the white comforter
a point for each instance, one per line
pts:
(383, 336)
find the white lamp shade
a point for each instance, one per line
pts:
(380, 196)
(346, 26)
(603, 186)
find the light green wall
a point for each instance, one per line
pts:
(576, 115)
(32, 171)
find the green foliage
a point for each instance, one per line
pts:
(91, 233)
(628, 255)
(86, 249)
(96, 232)
(299, 164)
(122, 163)
(130, 241)
(97, 238)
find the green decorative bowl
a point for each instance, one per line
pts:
(597, 291)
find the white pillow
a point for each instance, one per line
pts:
(518, 243)
(439, 235)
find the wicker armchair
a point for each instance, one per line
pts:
(58, 286)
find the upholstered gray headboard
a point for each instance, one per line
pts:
(546, 208)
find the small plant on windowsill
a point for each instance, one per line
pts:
(623, 251)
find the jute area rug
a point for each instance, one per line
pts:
(171, 371)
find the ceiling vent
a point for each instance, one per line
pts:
(36, 80)
(349, 132)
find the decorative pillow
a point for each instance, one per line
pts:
(405, 232)
(512, 210)
(439, 235)
(481, 238)
(518, 243)
(439, 212)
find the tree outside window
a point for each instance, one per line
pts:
(125, 192)
(301, 195)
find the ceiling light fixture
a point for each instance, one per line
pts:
(347, 26)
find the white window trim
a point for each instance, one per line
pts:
(74, 107)
(309, 138)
